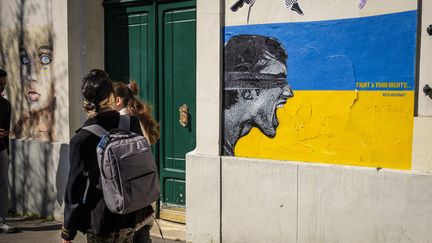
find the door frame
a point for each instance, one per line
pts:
(171, 213)
(167, 211)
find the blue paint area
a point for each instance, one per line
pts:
(335, 54)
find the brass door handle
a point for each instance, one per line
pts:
(184, 115)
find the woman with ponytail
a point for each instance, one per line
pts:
(85, 207)
(127, 104)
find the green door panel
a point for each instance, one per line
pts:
(174, 191)
(130, 47)
(177, 37)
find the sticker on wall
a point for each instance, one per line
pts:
(290, 4)
(239, 3)
(362, 3)
(353, 81)
(293, 5)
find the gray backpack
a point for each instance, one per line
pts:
(128, 171)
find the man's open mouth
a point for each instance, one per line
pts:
(279, 104)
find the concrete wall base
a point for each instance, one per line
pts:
(203, 198)
(281, 201)
(38, 174)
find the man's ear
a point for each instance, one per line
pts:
(246, 94)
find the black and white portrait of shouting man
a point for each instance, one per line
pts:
(255, 85)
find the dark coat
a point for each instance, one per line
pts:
(5, 118)
(93, 215)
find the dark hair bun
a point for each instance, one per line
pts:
(133, 86)
(96, 87)
(89, 106)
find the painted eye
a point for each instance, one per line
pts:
(45, 59)
(25, 60)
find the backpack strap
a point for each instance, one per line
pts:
(124, 122)
(99, 131)
(96, 130)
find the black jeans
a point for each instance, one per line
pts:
(4, 184)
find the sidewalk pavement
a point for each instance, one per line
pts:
(42, 231)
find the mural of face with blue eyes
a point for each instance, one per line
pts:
(36, 74)
(27, 55)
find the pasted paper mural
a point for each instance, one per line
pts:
(335, 91)
(27, 56)
(255, 86)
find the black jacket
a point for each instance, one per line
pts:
(93, 215)
(5, 118)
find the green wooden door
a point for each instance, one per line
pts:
(130, 47)
(154, 44)
(177, 24)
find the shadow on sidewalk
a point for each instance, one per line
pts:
(39, 228)
(24, 224)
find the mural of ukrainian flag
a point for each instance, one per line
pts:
(353, 81)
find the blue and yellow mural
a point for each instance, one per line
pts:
(352, 82)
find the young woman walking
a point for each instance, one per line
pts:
(127, 104)
(85, 208)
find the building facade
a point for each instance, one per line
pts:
(345, 159)
(281, 121)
